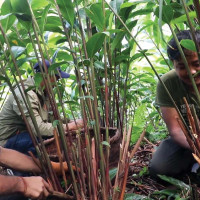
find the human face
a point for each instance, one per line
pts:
(193, 63)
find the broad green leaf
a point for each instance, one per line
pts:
(17, 50)
(99, 65)
(44, 18)
(183, 18)
(167, 13)
(67, 10)
(38, 4)
(140, 118)
(141, 12)
(132, 196)
(94, 44)
(21, 9)
(38, 79)
(117, 40)
(188, 44)
(55, 65)
(168, 192)
(180, 184)
(2, 17)
(2, 78)
(20, 6)
(112, 173)
(115, 4)
(8, 19)
(21, 61)
(98, 19)
(72, 103)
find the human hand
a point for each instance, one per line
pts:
(74, 126)
(36, 188)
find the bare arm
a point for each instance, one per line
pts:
(22, 163)
(170, 116)
(32, 187)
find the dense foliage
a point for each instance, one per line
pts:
(115, 52)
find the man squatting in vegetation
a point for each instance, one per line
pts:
(13, 131)
(174, 157)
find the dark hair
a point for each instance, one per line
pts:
(172, 49)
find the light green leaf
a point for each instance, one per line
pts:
(17, 50)
(99, 65)
(38, 79)
(55, 123)
(183, 18)
(44, 18)
(38, 4)
(188, 44)
(7, 19)
(105, 143)
(94, 44)
(87, 97)
(116, 5)
(67, 10)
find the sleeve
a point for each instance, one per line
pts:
(162, 97)
(45, 128)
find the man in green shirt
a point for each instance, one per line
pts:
(173, 156)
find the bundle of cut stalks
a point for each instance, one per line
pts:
(192, 132)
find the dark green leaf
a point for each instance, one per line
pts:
(94, 44)
(117, 40)
(56, 65)
(141, 12)
(21, 9)
(2, 78)
(98, 19)
(133, 196)
(38, 79)
(21, 61)
(72, 102)
(180, 184)
(112, 173)
(188, 44)
(67, 10)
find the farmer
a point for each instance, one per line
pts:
(13, 130)
(173, 156)
(21, 188)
